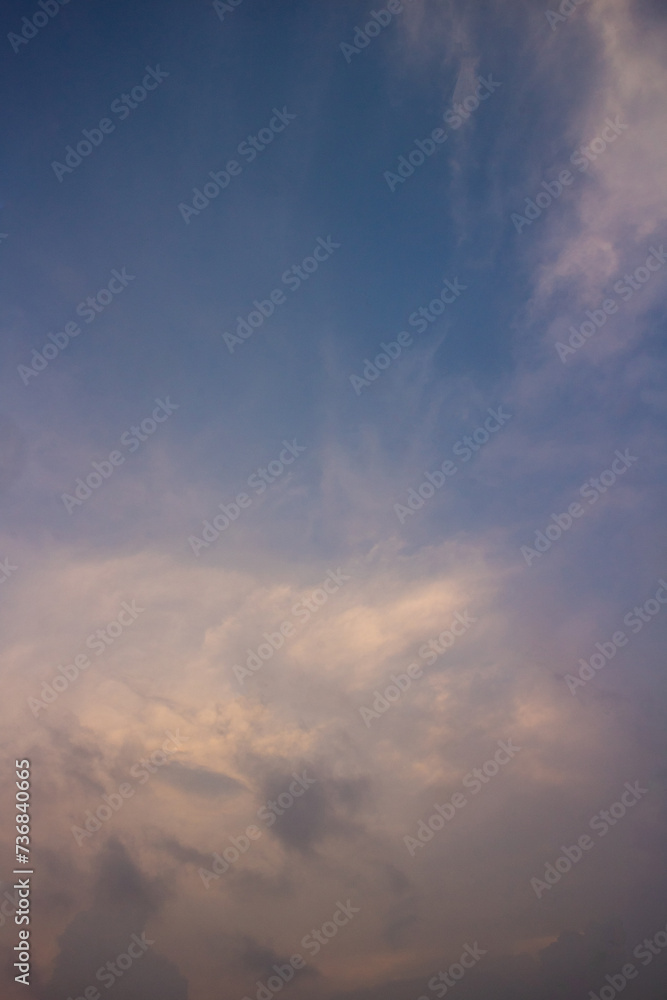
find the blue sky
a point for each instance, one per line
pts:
(320, 200)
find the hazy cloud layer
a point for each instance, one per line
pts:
(351, 654)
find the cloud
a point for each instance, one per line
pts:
(173, 669)
(200, 780)
(124, 900)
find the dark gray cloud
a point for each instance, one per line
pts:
(182, 852)
(120, 882)
(198, 780)
(325, 809)
(570, 968)
(124, 900)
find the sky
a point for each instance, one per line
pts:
(332, 557)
